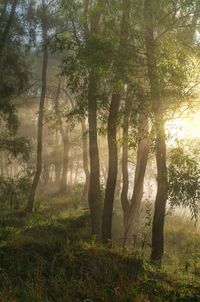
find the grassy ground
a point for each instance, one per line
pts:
(49, 256)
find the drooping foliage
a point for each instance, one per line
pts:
(184, 181)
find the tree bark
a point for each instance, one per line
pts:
(131, 224)
(125, 174)
(112, 127)
(94, 197)
(85, 160)
(63, 181)
(119, 176)
(41, 115)
(94, 194)
(57, 161)
(71, 168)
(112, 168)
(65, 139)
(161, 197)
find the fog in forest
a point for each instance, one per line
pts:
(99, 150)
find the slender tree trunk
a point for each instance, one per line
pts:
(125, 185)
(76, 171)
(2, 161)
(46, 170)
(119, 177)
(63, 181)
(58, 169)
(161, 197)
(94, 194)
(85, 160)
(65, 139)
(131, 225)
(94, 197)
(112, 128)
(57, 161)
(6, 31)
(41, 116)
(112, 168)
(71, 168)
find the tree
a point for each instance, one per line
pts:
(161, 197)
(65, 138)
(14, 80)
(41, 110)
(94, 196)
(125, 153)
(112, 126)
(166, 85)
(85, 159)
(133, 209)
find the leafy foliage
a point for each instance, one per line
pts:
(13, 191)
(17, 147)
(184, 181)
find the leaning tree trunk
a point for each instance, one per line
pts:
(85, 160)
(112, 168)
(41, 115)
(112, 127)
(131, 224)
(161, 197)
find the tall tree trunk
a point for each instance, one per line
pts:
(63, 181)
(6, 31)
(41, 114)
(119, 177)
(112, 128)
(112, 168)
(94, 197)
(131, 224)
(125, 185)
(45, 175)
(2, 163)
(71, 169)
(57, 161)
(85, 159)
(161, 197)
(94, 194)
(76, 170)
(65, 139)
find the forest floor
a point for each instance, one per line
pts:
(49, 256)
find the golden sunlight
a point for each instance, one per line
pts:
(184, 127)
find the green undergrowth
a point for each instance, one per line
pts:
(50, 256)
